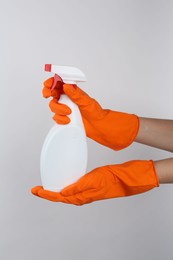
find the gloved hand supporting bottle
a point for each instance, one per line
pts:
(106, 182)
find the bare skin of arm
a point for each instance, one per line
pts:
(164, 169)
(158, 133)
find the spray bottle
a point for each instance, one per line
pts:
(64, 153)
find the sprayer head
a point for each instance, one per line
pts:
(68, 74)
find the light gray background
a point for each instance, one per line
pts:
(125, 49)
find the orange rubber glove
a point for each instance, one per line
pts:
(106, 182)
(113, 129)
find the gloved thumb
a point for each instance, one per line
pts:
(77, 95)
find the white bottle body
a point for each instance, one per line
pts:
(64, 153)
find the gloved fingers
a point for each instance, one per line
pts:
(84, 197)
(47, 87)
(61, 120)
(58, 108)
(77, 200)
(83, 184)
(57, 197)
(50, 195)
(55, 93)
(78, 96)
(36, 189)
(47, 92)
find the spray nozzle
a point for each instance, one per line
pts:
(66, 74)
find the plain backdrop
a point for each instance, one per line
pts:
(125, 48)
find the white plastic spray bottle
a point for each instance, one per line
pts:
(64, 153)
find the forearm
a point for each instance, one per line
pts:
(156, 133)
(164, 170)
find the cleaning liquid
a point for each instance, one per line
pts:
(64, 153)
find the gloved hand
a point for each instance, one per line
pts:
(113, 129)
(106, 182)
